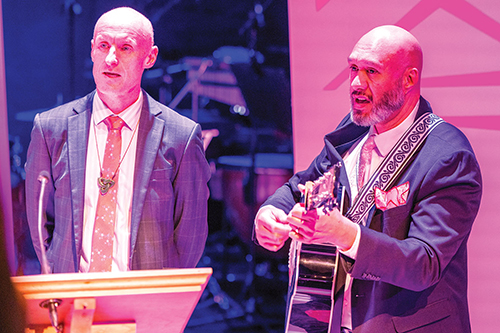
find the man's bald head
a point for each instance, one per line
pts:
(393, 44)
(127, 17)
(122, 48)
(386, 65)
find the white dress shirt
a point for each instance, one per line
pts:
(384, 143)
(97, 140)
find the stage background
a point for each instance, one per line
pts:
(47, 63)
(461, 79)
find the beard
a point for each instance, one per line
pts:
(390, 102)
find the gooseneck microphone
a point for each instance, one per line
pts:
(50, 304)
(43, 178)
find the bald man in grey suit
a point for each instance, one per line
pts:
(164, 219)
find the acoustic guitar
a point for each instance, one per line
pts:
(312, 267)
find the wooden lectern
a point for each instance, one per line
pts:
(136, 301)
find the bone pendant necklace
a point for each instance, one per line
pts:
(105, 184)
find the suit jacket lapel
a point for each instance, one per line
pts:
(339, 142)
(150, 133)
(78, 132)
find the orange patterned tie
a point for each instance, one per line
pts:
(102, 240)
(365, 160)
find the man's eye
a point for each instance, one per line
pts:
(371, 71)
(354, 69)
(103, 46)
(126, 48)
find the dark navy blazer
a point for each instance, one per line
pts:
(410, 273)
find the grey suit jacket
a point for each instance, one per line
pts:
(169, 204)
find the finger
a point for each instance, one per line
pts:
(303, 222)
(301, 214)
(271, 233)
(299, 236)
(277, 231)
(294, 234)
(302, 188)
(274, 239)
(280, 216)
(294, 222)
(272, 246)
(272, 226)
(304, 233)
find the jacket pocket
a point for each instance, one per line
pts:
(430, 314)
(395, 222)
(161, 174)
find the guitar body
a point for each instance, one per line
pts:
(313, 267)
(310, 288)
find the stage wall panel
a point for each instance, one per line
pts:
(461, 80)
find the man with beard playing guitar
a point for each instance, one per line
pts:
(403, 241)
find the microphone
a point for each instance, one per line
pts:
(43, 178)
(50, 304)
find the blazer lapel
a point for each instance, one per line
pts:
(150, 133)
(78, 132)
(339, 142)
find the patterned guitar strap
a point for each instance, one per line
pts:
(393, 164)
(390, 168)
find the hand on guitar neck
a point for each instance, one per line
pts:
(316, 226)
(323, 225)
(318, 220)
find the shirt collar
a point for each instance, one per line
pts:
(385, 141)
(130, 115)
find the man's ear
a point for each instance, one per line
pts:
(151, 58)
(411, 78)
(92, 49)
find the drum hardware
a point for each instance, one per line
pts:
(218, 84)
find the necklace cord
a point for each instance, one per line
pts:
(124, 154)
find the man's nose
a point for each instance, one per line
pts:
(111, 58)
(358, 81)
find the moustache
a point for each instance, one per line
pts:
(361, 96)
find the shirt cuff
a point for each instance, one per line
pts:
(353, 251)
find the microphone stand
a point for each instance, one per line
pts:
(50, 304)
(42, 178)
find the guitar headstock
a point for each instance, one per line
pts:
(323, 192)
